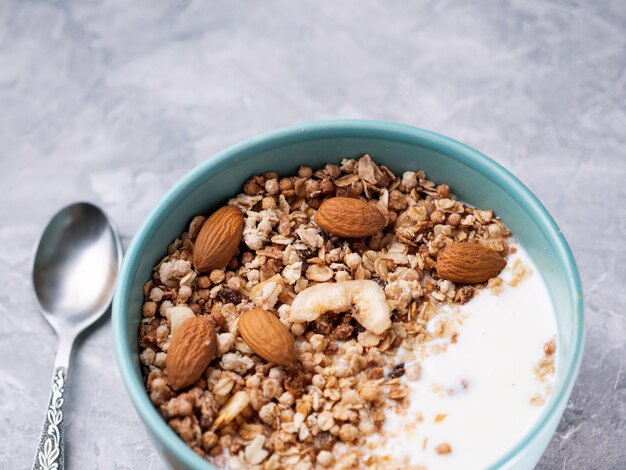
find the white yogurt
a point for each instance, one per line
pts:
(476, 395)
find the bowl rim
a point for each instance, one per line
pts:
(383, 130)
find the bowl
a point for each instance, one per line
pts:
(472, 176)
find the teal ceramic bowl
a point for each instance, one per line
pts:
(474, 178)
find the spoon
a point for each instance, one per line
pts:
(75, 265)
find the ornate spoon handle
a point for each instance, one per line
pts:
(50, 452)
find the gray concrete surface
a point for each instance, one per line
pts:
(112, 101)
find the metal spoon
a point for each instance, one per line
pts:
(75, 265)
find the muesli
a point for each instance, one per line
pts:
(282, 330)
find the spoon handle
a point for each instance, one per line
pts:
(50, 451)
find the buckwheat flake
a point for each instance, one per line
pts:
(170, 272)
(282, 240)
(156, 294)
(319, 273)
(149, 309)
(159, 360)
(310, 236)
(254, 453)
(236, 362)
(147, 356)
(520, 271)
(325, 458)
(537, 400)
(413, 371)
(225, 341)
(265, 294)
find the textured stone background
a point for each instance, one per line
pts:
(112, 101)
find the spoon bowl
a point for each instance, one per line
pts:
(75, 266)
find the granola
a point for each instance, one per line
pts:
(244, 411)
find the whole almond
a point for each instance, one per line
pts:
(218, 239)
(267, 336)
(193, 346)
(469, 263)
(349, 217)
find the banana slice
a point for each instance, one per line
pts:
(373, 312)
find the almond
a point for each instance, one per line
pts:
(218, 239)
(267, 336)
(469, 263)
(349, 217)
(193, 346)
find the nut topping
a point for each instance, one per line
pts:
(267, 336)
(193, 346)
(218, 239)
(469, 263)
(349, 217)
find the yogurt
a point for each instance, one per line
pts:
(481, 389)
